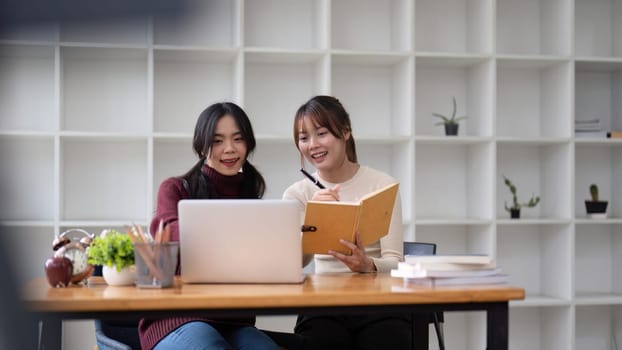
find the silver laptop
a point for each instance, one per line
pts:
(240, 241)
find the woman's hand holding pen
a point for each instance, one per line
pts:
(327, 194)
(358, 261)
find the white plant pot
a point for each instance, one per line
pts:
(125, 277)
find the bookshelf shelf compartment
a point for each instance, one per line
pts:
(598, 19)
(601, 165)
(104, 89)
(115, 189)
(598, 94)
(533, 101)
(536, 256)
(452, 79)
(184, 80)
(598, 254)
(377, 94)
(284, 24)
(540, 328)
(29, 197)
(598, 327)
(466, 26)
(461, 171)
(539, 170)
(27, 71)
(29, 246)
(540, 27)
(291, 84)
(350, 21)
(211, 23)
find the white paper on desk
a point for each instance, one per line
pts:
(405, 272)
(443, 266)
(449, 258)
(451, 281)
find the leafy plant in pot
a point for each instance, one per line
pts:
(514, 210)
(595, 208)
(451, 123)
(114, 251)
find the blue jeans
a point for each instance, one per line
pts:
(204, 336)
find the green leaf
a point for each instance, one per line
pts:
(111, 248)
(453, 119)
(445, 120)
(516, 205)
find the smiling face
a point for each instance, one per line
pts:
(320, 147)
(228, 150)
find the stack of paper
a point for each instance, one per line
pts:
(587, 125)
(589, 128)
(440, 270)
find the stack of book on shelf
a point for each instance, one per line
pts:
(443, 270)
(589, 128)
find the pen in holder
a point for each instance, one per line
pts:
(155, 263)
(155, 259)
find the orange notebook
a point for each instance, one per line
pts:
(327, 222)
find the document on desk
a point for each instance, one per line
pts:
(451, 281)
(474, 259)
(327, 222)
(443, 270)
(405, 270)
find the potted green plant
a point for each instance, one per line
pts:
(114, 251)
(451, 124)
(595, 208)
(514, 210)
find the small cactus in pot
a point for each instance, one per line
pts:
(514, 210)
(595, 208)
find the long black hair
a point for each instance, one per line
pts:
(195, 182)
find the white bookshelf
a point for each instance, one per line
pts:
(93, 116)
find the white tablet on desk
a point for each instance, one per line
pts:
(240, 241)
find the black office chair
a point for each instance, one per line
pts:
(436, 318)
(117, 335)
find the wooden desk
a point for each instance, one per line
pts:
(338, 293)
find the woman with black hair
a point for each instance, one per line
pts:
(223, 140)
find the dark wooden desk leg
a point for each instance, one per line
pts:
(421, 330)
(51, 334)
(497, 326)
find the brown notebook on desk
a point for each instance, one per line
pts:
(327, 222)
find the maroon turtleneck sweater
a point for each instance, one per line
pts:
(172, 191)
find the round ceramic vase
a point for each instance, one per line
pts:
(125, 277)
